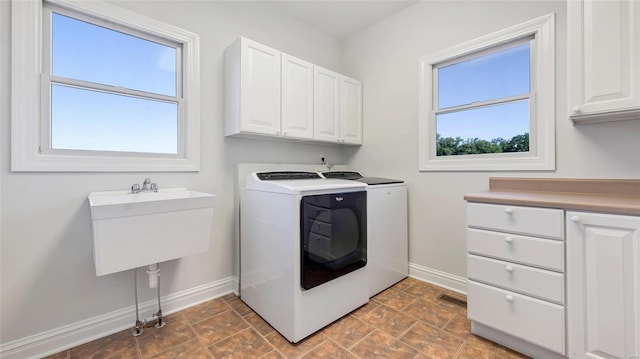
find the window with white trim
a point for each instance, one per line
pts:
(117, 91)
(489, 104)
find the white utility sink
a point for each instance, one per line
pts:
(133, 230)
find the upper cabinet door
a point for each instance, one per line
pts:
(297, 98)
(350, 110)
(604, 60)
(272, 94)
(326, 111)
(259, 88)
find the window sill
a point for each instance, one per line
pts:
(480, 163)
(56, 163)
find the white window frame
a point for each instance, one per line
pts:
(28, 124)
(541, 155)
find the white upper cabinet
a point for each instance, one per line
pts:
(338, 108)
(270, 93)
(604, 60)
(297, 98)
(253, 88)
(326, 105)
(350, 110)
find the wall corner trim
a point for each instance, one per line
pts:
(74, 334)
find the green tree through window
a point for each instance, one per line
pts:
(449, 146)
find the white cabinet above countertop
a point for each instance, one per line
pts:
(603, 60)
(271, 94)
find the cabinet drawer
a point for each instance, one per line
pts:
(544, 222)
(530, 319)
(539, 252)
(536, 282)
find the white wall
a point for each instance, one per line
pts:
(385, 58)
(47, 275)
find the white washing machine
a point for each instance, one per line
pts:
(303, 248)
(387, 232)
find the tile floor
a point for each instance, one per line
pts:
(404, 321)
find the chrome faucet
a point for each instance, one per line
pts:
(147, 186)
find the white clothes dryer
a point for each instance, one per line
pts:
(387, 229)
(303, 250)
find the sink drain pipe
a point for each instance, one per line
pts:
(154, 282)
(153, 272)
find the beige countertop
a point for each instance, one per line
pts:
(617, 196)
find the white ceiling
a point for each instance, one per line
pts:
(343, 18)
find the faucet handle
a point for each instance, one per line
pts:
(145, 184)
(154, 187)
(135, 188)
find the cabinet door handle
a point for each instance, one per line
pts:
(508, 210)
(508, 269)
(575, 219)
(284, 133)
(576, 110)
(508, 239)
(509, 298)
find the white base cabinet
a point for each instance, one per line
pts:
(517, 280)
(515, 265)
(603, 280)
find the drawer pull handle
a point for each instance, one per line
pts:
(508, 268)
(509, 298)
(508, 210)
(508, 239)
(575, 219)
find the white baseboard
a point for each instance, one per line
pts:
(84, 331)
(439, 278)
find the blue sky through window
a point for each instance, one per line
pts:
(498, 75)
(97, 121)
(487, 123)
(89, 119)
(88, 52)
